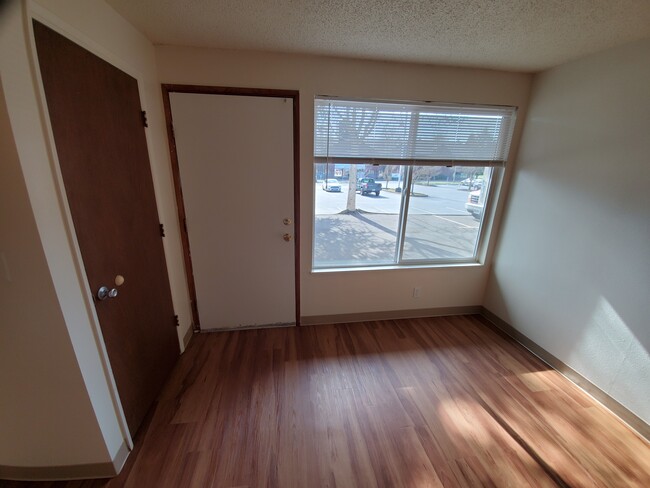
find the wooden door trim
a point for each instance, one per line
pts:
(180, 205)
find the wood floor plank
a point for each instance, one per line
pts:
(438, 402)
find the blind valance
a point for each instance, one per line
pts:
(412, 133)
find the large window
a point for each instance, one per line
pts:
(403, 183)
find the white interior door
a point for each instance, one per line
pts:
(235, 157)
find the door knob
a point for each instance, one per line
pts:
(104, 292)
(287, 237)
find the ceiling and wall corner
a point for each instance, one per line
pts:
(511, 35)
(573, 29)
(47, 414)
(103, 31)
(68, 435)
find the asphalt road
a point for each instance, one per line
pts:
(443, 200)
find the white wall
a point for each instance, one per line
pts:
(572, 268)
(59, 404)
(358, 291)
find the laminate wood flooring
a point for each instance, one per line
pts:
(436, 402)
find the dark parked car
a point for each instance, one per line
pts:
(368, 185)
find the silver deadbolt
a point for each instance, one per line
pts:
(287, 221)
(104, 292)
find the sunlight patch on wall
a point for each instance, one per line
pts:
(613, 355)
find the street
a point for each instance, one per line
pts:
(438, 200)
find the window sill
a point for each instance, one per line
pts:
(397, 267)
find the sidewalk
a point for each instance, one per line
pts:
(366, 238)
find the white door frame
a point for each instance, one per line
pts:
(234, 91)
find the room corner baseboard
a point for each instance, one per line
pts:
(71, 472)
(389, 315)
(188, 336)
(120, 458)
(631, 419)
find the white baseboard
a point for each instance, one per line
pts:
(389, 315)
(72, 472)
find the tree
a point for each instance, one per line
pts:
(481, 146)
(425, 173)
(354, 126)
(352, 190)
(472, 173)
(388, 172)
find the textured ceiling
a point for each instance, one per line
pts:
(519, 35)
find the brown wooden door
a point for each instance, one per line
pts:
(98, 130)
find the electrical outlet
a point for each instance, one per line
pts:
(416, 292)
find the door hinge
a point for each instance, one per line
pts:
(176, 321)
(144, 118)
(162, 230)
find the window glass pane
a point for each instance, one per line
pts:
(445, 212)
(357, 212)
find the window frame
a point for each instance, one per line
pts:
(496, 169)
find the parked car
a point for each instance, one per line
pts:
(472, 184)
(332, 184)
(368, 185)
(475, 204)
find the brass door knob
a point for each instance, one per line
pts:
(287, 237)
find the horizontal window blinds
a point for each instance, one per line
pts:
(412, 133)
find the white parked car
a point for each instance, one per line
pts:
(475, 204)
(331, 184)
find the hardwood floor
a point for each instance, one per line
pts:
(403, 403)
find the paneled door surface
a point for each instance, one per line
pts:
(235, 160)
(99, 135)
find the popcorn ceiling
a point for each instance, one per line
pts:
(517, 35)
